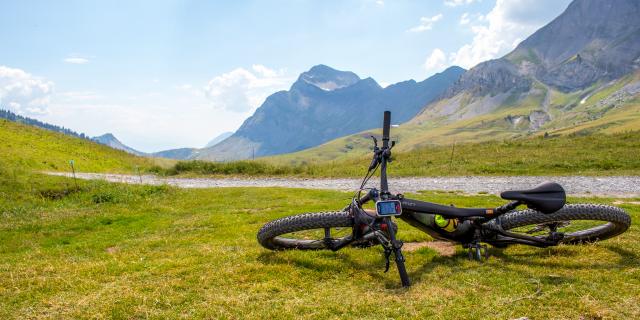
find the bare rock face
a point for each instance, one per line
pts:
(537, 119)
(490, 78)
(516, 121)
(592, 40)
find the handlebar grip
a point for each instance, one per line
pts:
(386, 127)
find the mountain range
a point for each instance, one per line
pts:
(577, 74)
(324, 104)
(578, 71)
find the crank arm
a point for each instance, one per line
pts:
(336, 245)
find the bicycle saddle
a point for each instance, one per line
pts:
(547, 197)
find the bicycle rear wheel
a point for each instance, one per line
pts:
(578, 222)
(306, 231)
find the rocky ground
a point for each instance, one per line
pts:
(616, 186)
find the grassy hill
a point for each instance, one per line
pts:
(25, 147)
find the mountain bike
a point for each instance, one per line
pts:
(548, 220)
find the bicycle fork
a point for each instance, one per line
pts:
(393, 246)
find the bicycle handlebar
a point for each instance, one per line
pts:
(386, 127)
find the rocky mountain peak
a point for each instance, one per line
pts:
(327, 78)
(107, 137)
(110, 140)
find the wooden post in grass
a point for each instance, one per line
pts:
(139, 175)
(453, 148)
(73, 172)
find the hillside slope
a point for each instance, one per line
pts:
(26, 147)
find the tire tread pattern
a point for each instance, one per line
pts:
(619, 220)
(305, 221)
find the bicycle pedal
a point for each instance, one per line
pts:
(478, 252)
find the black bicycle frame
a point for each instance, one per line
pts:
(472, 225)
(421, 214)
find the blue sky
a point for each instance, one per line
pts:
(166, 74)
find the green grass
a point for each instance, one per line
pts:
(115, 251)
(571, 154)
(24, 147)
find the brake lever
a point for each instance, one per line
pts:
(376, 151)
(374, 162)
(387, 257)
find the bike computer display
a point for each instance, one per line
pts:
(388, 208)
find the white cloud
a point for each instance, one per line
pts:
(380, 2)
(508, 23)
(465, 19)
(243, 90)
(455, 3)
(426, 23)
(436, 61)
(76, 60)
(24, 93)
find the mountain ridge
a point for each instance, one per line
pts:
(309, 114)
(592, 85)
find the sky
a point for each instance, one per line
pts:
(168, 74)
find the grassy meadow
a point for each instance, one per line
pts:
(115, 251)
(24, 147)
(591, 154)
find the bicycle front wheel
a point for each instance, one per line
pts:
(308, 231)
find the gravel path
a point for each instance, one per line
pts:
(617, 186)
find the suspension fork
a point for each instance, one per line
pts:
(392, 245)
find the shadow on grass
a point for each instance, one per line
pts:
(333, 262)
(626, 259)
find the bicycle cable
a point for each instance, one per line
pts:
(366, 179)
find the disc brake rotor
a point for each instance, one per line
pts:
(552, 226)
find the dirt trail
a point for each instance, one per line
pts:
(616, 186)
